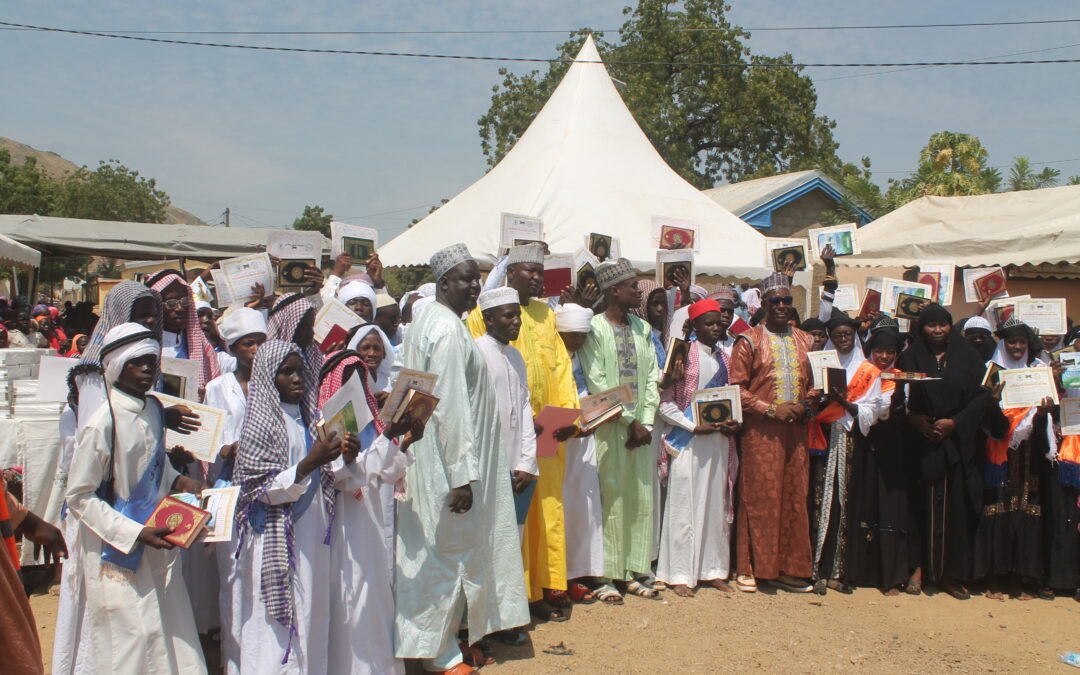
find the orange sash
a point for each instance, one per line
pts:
(1069, 461)
(860, 384)
(997, 451)
(5, 526)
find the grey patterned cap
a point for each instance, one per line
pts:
(448, 258)
(526, 253)
(613, 272)
(775, 281)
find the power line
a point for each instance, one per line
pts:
(464, 57)
(518, 31)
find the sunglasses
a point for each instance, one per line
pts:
(781, 300)
(177, 303)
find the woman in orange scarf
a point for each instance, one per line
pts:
(832, 437)
(1008, 541)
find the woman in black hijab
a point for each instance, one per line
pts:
(943, 421)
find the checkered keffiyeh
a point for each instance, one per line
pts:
(199, 348)
(285, 318)
(263, 453)
(117, 310)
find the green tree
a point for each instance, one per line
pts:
(1073, 180)
(1023, 177)
(24, 189)
(951, 164)
(861, 193)
(313, 219)
(110, 192)
(708, 123)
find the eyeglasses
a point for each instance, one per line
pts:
(177, 303)
(781, 300)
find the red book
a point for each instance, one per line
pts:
(738, 326)
(187, 521)
(555, 280)
(933, 280)
(990, 285)
(336, 335)
(871, 304)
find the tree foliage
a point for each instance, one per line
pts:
(110, 192)
(25, 188)
(314, 219)
(1023, 177)
(708, 123)
(951, 164)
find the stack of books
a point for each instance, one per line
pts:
(18, 385)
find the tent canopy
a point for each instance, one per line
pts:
(1010, 228)
(12, 253)
(75, 236)
(583, 166)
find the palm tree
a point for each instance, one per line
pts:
(1023, 177)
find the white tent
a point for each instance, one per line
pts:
(12, 253)
(583, 166)
(1010, 228)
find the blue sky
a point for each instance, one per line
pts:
(376, 141)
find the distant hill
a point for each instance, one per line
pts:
(56, 166)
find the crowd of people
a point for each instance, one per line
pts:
(434, 540)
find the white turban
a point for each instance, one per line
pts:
(382, 375)
(426, 290)
(571, 318)
(124, 343)
(497, 297)
(240, 322)
(356, 289)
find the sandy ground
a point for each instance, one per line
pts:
(784, 633)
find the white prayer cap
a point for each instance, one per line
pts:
(448, 258)
(526, 253)
(426, 290)
(356, 289)
(202, 304)
(497, 297)
(977, 322)
(126, 342)
(240, 322)
(571, 318)
(383, 300)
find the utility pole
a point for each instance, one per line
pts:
(226, 216)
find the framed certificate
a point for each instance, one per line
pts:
(667, 261)
(1070, 417)
(841, 237)
(946, 272)
(514, 227)
(714, 406)
(1045, 315)
(1027, 387)
(846, 298)
(819, 361)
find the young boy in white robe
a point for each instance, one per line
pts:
(135, 597)
(243, 330)
(362, 601)
(286, 508)
(695, 540)
(501, 310)
(581, 486)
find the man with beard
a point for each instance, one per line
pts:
(456, 549)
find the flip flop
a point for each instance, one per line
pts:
(581, 594)
(746, 583)
(557, 598)
(609, 595)
(642, 591)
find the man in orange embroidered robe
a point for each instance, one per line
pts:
(770, 366)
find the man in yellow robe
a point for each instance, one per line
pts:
(551, 383)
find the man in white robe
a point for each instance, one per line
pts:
(138, 606)
(456, 546)
(501, 310)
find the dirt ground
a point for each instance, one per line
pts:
(783, 633)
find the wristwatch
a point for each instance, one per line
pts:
(770, 412)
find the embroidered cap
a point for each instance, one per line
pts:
(526, 254)
(774, 282)
(497, 297)
(612, 272)
(448, 258)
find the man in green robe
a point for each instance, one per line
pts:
(619, 351)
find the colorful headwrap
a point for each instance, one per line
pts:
(263, 453)
(702, 307)
(199, 348)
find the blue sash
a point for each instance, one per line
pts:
(137, 507)
(679, 439)
(523, 501)
(259, 509)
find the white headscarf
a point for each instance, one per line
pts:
(239, 322)
(124, 343)
(382, 374)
